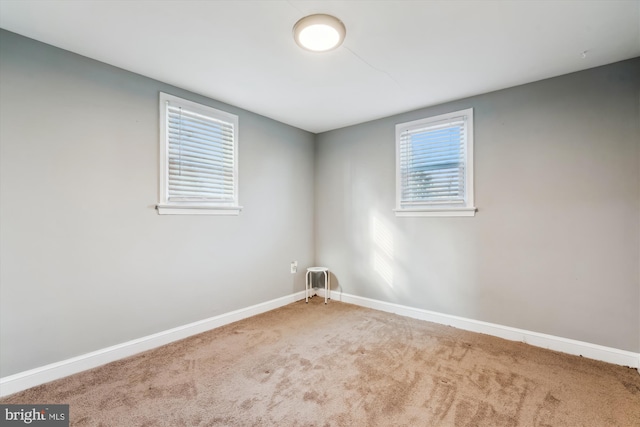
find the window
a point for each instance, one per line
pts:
(434, 166)
(198, 159)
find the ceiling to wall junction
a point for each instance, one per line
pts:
(397, 56)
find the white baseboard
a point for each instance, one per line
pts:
(31, 378)
(564, 345)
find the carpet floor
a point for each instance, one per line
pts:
(344, 365)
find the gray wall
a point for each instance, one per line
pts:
(554, 247)
(86, 261)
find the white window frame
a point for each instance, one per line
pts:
(173, 207)
(467, 207)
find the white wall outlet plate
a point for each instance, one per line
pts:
(294, 267)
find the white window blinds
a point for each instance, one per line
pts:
(433, 162)
(201, 157)
(199, 150)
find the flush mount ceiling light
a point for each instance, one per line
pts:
(319, 33)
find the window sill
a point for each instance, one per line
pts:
(441, 212)
(197, 210)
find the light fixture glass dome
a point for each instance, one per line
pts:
(319, 33)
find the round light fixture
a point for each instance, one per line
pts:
(319, 33)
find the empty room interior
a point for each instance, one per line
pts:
(463, 176)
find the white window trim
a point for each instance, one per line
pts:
(166, 207)
(468, 209)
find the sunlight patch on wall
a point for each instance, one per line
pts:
(381, 250)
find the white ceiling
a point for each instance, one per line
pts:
(397, 56)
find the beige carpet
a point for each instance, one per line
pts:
(343, 365)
